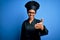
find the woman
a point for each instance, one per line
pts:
(32, 28)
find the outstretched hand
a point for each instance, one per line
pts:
(39, 25)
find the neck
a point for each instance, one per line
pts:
(30, 20)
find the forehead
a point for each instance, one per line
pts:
(31, 10)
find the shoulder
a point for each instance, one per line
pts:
(25, 21)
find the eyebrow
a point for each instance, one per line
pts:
(31, 12)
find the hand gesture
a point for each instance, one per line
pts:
(39, 25)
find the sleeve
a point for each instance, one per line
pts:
(22, 32)
(43, 32)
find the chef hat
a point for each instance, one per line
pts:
(32, 5)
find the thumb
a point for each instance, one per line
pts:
(42, 20)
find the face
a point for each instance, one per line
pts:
(31, 13)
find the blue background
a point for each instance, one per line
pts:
(13, 13)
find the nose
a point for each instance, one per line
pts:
(30, 14)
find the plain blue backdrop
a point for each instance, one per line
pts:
(13, 13)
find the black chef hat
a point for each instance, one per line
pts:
(32, 5)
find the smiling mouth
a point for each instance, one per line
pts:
(30, 15)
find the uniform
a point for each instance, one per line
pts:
(30, 33)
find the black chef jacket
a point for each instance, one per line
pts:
(28, 31)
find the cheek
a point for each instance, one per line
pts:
(28, 14)
(33, 14)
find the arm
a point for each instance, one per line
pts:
(41, 28)
(22, 32)
(43, 32)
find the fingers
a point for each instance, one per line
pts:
(41, 21)
(38, 26)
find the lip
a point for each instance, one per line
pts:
(30, 16)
